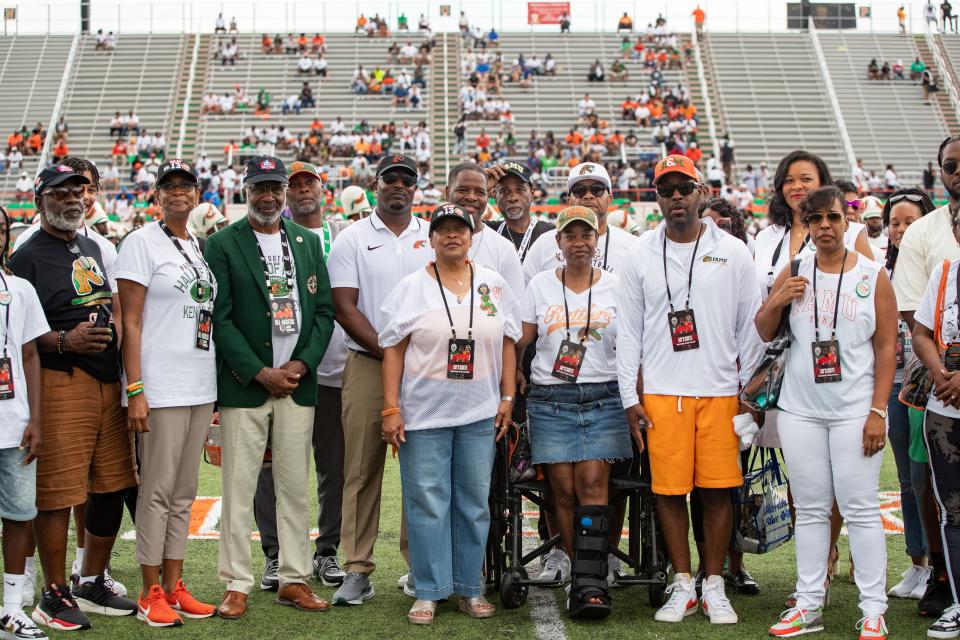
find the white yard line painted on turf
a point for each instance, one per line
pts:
(547, 621)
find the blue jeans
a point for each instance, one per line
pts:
(911, 475)
(445, 474)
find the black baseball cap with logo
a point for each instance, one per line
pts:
(449, 210)
(173, 167)
(517, 169)
(265, 169)
(57, 174)
(397, 161)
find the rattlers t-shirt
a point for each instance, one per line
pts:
(71, 286)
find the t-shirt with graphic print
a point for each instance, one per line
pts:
(175, 372)
(71, 285)
(283, 345)
(542, 305)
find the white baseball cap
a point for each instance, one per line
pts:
(588, 171)
(354, 201)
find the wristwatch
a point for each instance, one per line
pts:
(880, 412)
(506, 399)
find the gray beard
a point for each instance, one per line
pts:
(519, 216)
(261, 219)
(61, 223)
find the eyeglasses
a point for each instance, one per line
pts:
(276, 189)
(855, 204)
(391, 177)
(685, 189)
(816, 218)
(597, 190)
(170, 187)
(912, 197)
(62, 193)
(950, 167)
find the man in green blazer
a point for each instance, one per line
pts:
(272, 321)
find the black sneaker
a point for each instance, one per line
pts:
(937, 597)
(58, 610)
(19, 627)
(327, 570)
(270, 581)
(742, 582)
(948, 626)
(97, 597)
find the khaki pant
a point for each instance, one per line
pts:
(169, 470)
(364, 452)
(245, 433)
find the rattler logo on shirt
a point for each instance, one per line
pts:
(714, 260)
(86, 275)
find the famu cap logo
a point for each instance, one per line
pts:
(268, 164)
(671, 161)
(585, 169)
(62, 168)
(514, 166)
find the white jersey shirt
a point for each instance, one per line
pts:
(492, 250)
(949, 323)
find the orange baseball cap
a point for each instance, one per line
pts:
(675, 164)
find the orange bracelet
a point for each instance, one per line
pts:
(392, 411)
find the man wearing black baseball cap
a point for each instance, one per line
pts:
(366, 262)
(87, 453)
(512, 190)
(274, 318)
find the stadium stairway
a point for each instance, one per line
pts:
(949, 48)
(188, 146)
(887, 121)
(710, 74)
(31, 69)
(444, 110)
(770, 92)
(947, 109)
(140, 74)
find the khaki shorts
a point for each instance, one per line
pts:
(86, 446)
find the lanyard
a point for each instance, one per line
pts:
(566, 311)
(326, 239)
(287, 267)
(524, 242)
(836, 303)
(447, 307)
(6, 322)
(186, 256)
(606, 249)
(693, 259)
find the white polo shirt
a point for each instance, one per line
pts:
(367, 256)
(724, 297)
(925, 245)
(496, 252)
(545, 253)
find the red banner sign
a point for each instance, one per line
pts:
(547, 12)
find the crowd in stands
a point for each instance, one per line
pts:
(227, 52)
(23, 142)
(918, 72)
(105, 41)
(293, 45)
(404, 87)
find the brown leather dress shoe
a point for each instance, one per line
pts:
(233, 606)
(300, 596)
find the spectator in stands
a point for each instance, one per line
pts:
(24, 188)
(625, 23)
(596, 72)
(60, 151)
(320, 66)
(230, 53)
(898, 69)
(131, 124)
(873, 70)
(266, 44)
(929, 82)
(917, 69)
(233, 25)
(929, 179)
(221, 26)
(305, 65)
(291, 105)
(586, 106)
(618, 72)
(101, 40)
(930, 13)
(890, 179)
(263, 102)
(302, 43)
(361, 24)
(885, 71)
(565, 23)
(946, 10)
(726, 156)
(117, 127)
(407, 53)
(699, 17)
(902, 19)
(110, 177)
(318, 44)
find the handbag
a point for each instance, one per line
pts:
(762, 390)
(917, 380)
(761, 511)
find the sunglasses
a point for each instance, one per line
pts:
(685, 189)
(62, 193)
(856, 204)
(261, 189)
(950, 167)
(391, 177)
(597, 190)
(912, 197)
(170, 187)
(816, 218)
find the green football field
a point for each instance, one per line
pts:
(384, 616)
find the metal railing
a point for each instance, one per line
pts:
(705, 90)
(58, 104)
(832, 95)
(946, 78)
(185, 113)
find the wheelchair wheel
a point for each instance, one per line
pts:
(513, 595)
(657, 594)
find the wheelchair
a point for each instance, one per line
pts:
(644, 562)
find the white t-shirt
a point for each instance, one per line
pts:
(428, 399)
(542, 305)
(283, 345)
(545, 253)
(367, 256)
(949, 325)
(925, 245)
(492, 250)
(107, 250)
(27, 322)
(175, 372)
(856, 323)
(330, 369)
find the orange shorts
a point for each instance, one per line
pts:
(692, 443)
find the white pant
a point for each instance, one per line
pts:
(825, 461)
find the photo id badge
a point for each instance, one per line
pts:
(204, 329)
(284, 316)
(569, 360)
(951, 357)
(683, 330)
(826, 361)
(460, 359)
(6, 379)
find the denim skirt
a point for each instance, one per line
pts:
(577, 422)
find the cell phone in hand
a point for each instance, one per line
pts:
(103, 317)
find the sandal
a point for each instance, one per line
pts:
(581, 605)
(422, 612)
(477, 607)
(833, 563)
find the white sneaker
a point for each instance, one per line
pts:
(715, 603)
(117, 586)
(556, 567)
(407, 586)
(922, 585)
(682, 601)
(613, 569)
(29, 587)
(911, 578)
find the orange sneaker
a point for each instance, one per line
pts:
(154, 610)
(183, 601)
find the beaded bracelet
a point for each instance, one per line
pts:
(61, 342)
(390, 412)
(134, 388)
